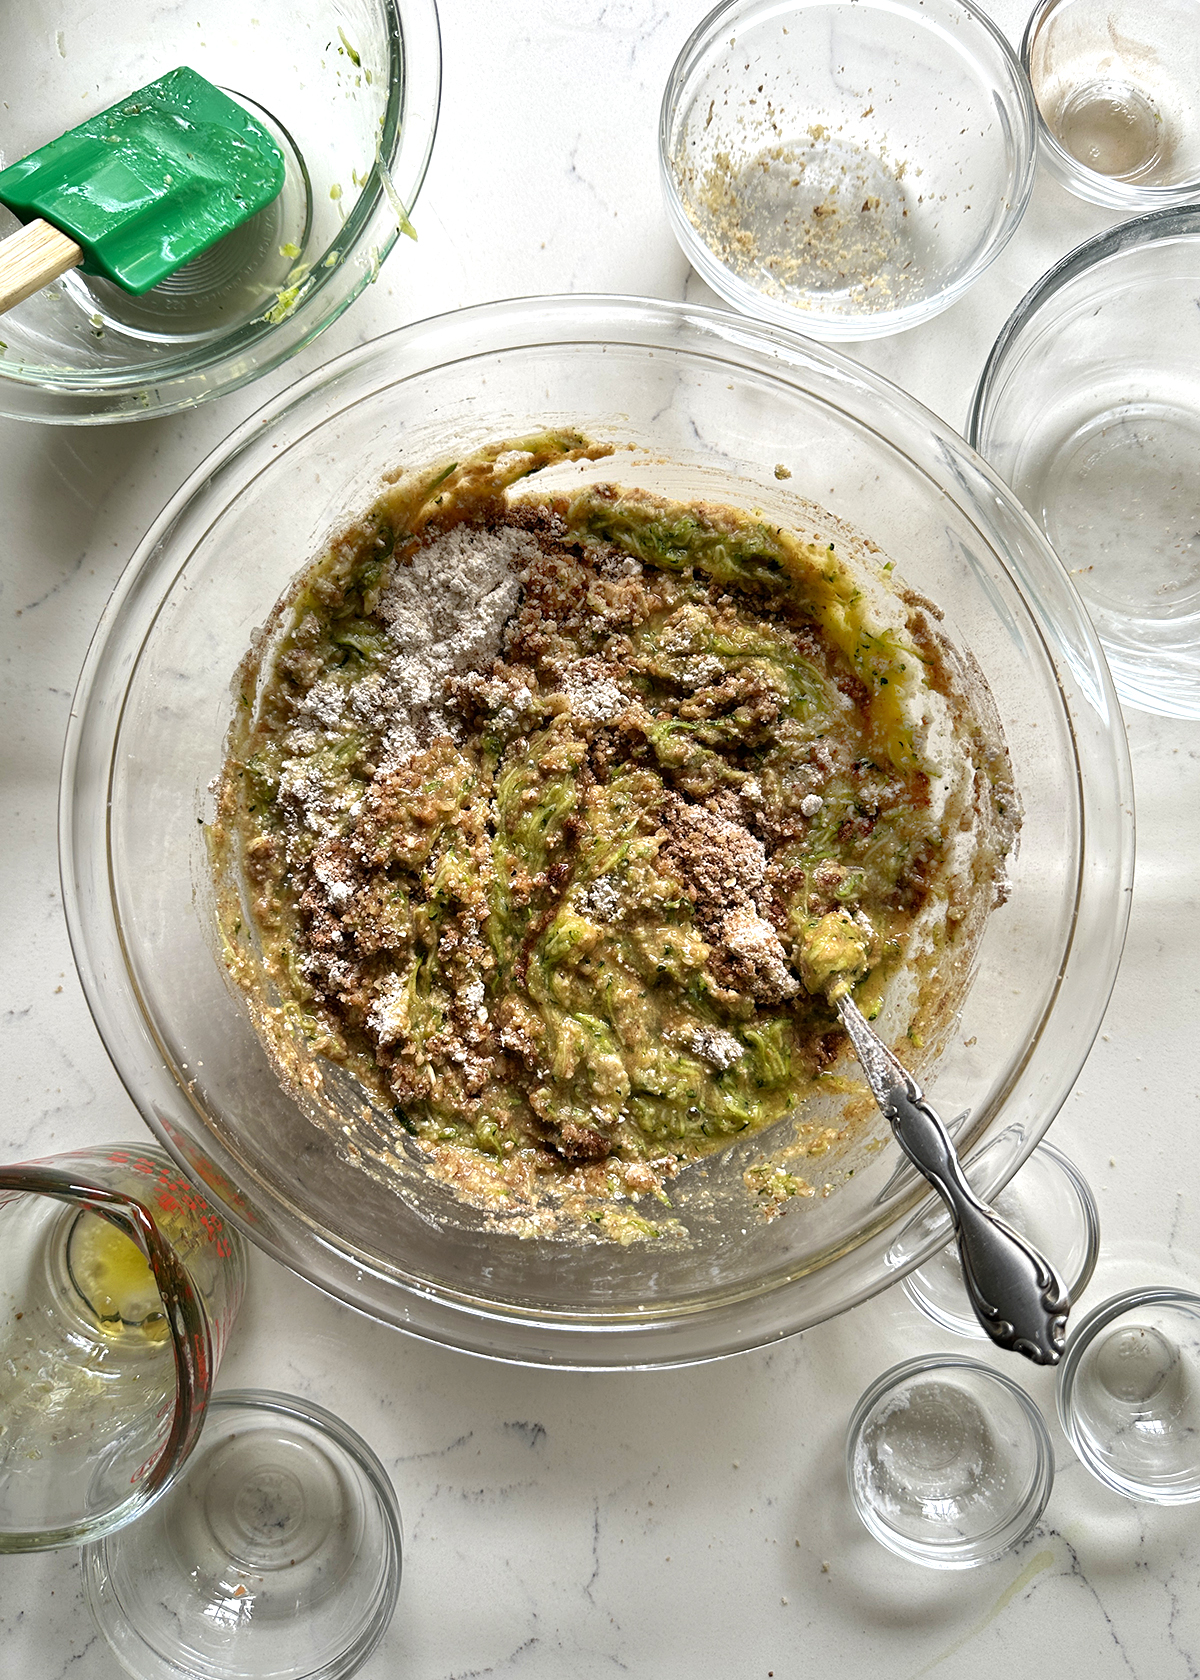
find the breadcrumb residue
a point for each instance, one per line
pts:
(818, 218)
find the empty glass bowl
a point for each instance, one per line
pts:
(703, 404)
(1129, 1394)
(1090, 407)
(277, 1553)
(1050, 1202)
(949, 1462)
(350, 94)
(1117, 85)
(845, 167)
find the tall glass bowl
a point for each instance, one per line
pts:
(714, 407)
(1089, 407)
(349, 90)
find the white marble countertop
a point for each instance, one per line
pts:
(659, 1524)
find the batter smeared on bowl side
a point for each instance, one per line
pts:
(549, 812)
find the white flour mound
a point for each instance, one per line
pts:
(445, 612)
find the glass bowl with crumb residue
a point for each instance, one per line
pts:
(348, 91)
(846, 168)
(701, 405)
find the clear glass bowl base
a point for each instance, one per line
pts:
(276, 1555)
(949, 1462)
(1116, 88)
(222, 290)
(1129, 1395)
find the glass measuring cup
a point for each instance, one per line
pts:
(118, 1288)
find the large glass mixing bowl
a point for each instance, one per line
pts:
(712, 405)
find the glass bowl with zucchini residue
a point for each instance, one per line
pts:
(540, 714)
(350, 97)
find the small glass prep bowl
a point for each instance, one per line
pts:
(712, 405)
(1089, 406)
(277, 1553)
(1117, 86)
(1129, 1394)
(845, 168)
(949, 1462)
(350, 93)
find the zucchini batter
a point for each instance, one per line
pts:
(557, 817)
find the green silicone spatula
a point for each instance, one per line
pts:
(138, 191)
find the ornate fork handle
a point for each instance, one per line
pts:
(1017, 1295)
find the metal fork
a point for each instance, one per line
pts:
(1017, 1295)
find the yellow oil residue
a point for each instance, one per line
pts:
(114, 1277)
(1038, 1563)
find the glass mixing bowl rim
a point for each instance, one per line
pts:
(1178, 221)
(593, 320)
(1108, 190)
(321, 302)
(843, 327)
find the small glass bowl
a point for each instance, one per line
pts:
(1117, 85)
(350, 95)
(846, 168)
(278, 1552)
(1050, 1202)
(1089, 406)
(1129, 1394)
(949, 1462)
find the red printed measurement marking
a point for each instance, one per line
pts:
(173, 1194)
(145, 1468)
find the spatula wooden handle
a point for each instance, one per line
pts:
(33, 258)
